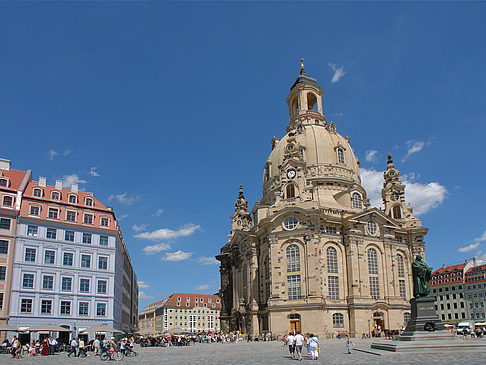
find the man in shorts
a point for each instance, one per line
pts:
(290, 343)
(299, 341)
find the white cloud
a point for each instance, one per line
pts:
(143, 296)
(67, 152)
(413, 147)
(371, 155)
(69, 180)
(138, 228)
(208, 261)
(338, 72)
(124, 198)
(177, 256)
(202, 287)
(158, 212)
(470, 247)
(340, 114)
(165, 233)
(143, 285)
(92, 171)
(422, 197)
(123, 217)
(52, 154)
(153, 249)
(482, 238)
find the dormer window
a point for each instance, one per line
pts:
(89, 202)
(7, 201)
(105, 222)
(356, 201)
(55, 195)
(73, 199)
(340, 156)
(4, 182)
(37, 193)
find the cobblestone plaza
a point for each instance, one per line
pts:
(332, 352)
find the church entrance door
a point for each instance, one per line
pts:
(294, 325)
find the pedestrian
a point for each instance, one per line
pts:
(82, 348)
(299, 342)
(74, 344)
(349, 344)
(291, 344)
(313, 347)
(45, 347)
(96, 345)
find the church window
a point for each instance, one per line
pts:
(293, 258)
(290, 191)
(397, 212)
(374, 288)
(338, 320)
(244, 275)
(311, 102)
(372, 261)
(290, 223)
(356, 201)
(332, 264)
(395, 196)
(266, 263)
(267, 290)
(400, 265)
(340, 155)
(403, 290)
(295, 107)
(267, 173)
(293, 286)
(371, 226)
(333, 287)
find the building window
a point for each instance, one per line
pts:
(406, 318)
(371, 227)
(48, 282)
(46, 306)
(86, 261)
(356, 201)
(293, 286)
(3, 273)
(293, 258)
(333, 287)
(34, 210)
(89, 202)
(37, 193)
(55, 195)
(53, 213)
(103, 263)
(244, 276)
(340, 155)
(73, 199)
(3, 182)
(330, 230)
(401, 266)
(32, 231)
(372, 261)
(403, 289)
(88, 219)
(397, 212)
(4, 223)
(105, 222)
(71, 216)
(192, 321)
(69, 236)
(87, 238)
(338, 320)
(290, 191)
(66, 284)
(84, 285)
(51, 233)
(374, 288)
(3, 247)
(100, 309)
(102, 284)
(266, 263)
(26, 306)
(49, 257)
(290, 223)
(65, 307)
(30, 254)
(83, 308)
(28, 281)
(103, 240)
(332, 263)
(67, 259)
(210, 322)
(7, 201)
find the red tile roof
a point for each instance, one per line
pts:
(448, 269)
(201, 300)
(15, 177)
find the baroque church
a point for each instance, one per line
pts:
(312, 255)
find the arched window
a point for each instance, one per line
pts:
(295, 106)
(338, 320)
(400, 266)
(357, 202)
(372, 261)
(266, 263)
(38, 193)
(311, 102)
(89, 202)
(290, 223)
(293, 258)
(55, 195)
(290, 191)
(244, 276)
(332, 264)
(397, 212)
(73, 199)
(340, 155)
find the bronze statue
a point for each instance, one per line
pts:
(421, 274)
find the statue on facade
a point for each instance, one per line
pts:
(421, 274)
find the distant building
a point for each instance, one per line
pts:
(475, 291)
(189, 312)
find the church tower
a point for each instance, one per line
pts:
(241, 219)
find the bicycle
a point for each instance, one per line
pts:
(114, 354)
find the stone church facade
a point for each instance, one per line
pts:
(312, 255)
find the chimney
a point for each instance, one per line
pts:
(474, 261)
(443, 266)
(42, 181)
(74, 188)
(59, 184)
(4, 164)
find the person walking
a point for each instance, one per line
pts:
(313, 347)
(82, 348)
(349, 344)
(299, 342)
(96, 345)
(74, 344)
(291, 344)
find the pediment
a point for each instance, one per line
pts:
(373, 214)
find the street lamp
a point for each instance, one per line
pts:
(369, 330)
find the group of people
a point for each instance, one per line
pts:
(47, 346)
(297, 342)
(185, 340)
(98, 346)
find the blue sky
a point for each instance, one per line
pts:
(163, 109)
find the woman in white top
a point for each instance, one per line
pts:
(314, 347)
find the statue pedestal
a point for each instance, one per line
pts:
(416, 338)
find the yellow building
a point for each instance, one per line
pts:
(313, 255)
